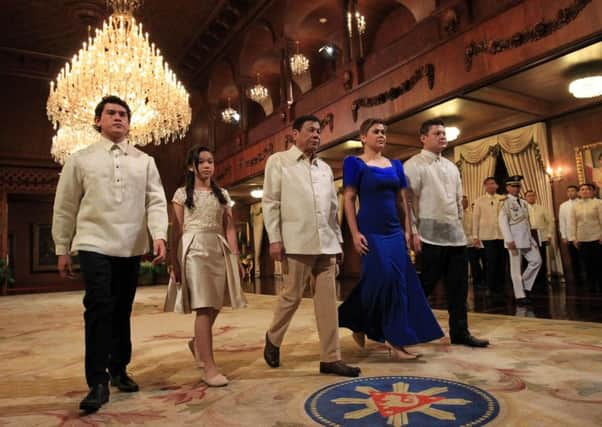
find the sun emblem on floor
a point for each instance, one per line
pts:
(401, 401)
(396, 405)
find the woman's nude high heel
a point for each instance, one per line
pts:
(359, 338)
(400, 353)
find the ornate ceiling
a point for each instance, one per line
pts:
(224, 41)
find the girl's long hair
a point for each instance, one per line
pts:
(192, 161)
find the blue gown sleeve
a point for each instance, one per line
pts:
(351, 172)
(401, 174)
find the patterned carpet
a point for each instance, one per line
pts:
(539, 372)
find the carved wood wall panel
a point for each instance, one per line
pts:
(537, 32)
(28, 180)
(395, 92)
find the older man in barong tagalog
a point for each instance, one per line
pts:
(300, 213)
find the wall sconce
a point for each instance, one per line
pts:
(554, 175)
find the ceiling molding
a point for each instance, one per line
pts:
(518, 102)
(29, 64)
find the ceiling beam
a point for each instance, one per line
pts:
(519, 102)
(29, 64)
(204, 26)
(255, 9)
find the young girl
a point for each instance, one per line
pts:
(206, 261)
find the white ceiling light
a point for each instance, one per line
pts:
(353, 144)
(257, 193)
(586, 87)
(452, 133)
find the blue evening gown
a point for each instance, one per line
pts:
(388, 303)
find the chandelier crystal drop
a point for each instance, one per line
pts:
(360, 22)
(119, 60)
(258, 92)
(299, 63)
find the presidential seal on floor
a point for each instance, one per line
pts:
(401, 401)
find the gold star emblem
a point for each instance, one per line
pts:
(396, 405)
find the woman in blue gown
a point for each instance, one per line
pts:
(388, 304)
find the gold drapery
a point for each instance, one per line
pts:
(476, 161)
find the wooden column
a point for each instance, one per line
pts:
(3, 223)
(3, 234)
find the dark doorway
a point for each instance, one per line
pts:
(500, 173)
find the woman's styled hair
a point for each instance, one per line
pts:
(192, 161)
(368, 123)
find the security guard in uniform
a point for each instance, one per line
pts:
(516, 229)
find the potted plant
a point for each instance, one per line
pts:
(146, 276)
(161, 274)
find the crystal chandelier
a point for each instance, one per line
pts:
(120, 61)
(299, 63)
(69, 140)
(230, 115)
(258, 92)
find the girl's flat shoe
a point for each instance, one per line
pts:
(217, 381)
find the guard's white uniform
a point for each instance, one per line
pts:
(515, 227)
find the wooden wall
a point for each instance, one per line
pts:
(26, 211)
(565, 134)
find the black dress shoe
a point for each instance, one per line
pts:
(124, 382)
(339, 368)
(523, 301)
(97, 396)
(271, 353)
(470, 341)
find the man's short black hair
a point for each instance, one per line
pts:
(299, 121)
(426, 126)
(489, 178)
(530, 191)
(111, 99)
(573, 186)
